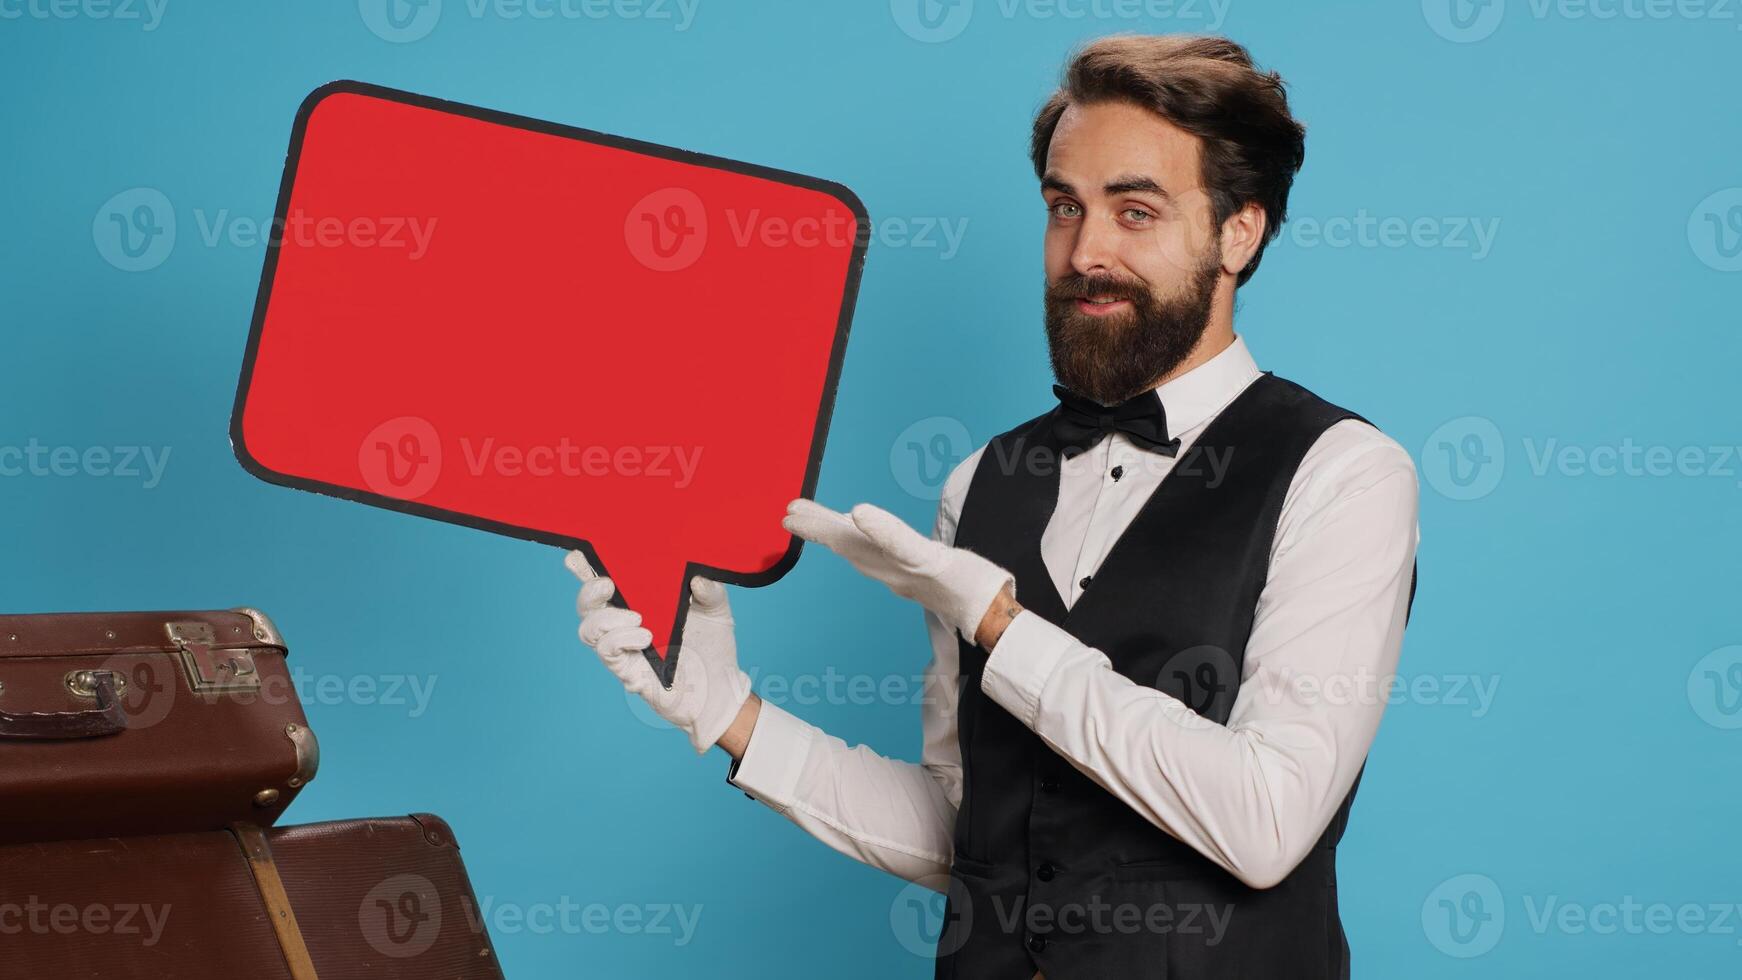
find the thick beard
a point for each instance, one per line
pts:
(1113, 358)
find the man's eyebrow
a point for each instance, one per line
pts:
(1053, 182)
(1122, 184)
(1129, 183)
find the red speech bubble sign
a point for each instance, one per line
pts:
(551, 333)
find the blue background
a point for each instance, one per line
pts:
(1599, 609)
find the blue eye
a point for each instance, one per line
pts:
(1064, 209)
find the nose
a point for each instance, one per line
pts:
(1093, 252)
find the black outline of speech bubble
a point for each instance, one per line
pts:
(663, 668)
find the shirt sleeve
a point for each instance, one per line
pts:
(894, 815)
(1255, 795)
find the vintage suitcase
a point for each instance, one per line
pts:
(384, 899)
(115, 724)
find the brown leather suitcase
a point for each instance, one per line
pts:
(383, 899)
(116, 724)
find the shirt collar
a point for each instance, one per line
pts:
(1194, 397)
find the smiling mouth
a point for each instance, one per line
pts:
(1101, 305)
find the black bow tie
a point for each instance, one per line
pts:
(1080, 422)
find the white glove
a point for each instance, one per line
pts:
(954, 583)
(708, 687)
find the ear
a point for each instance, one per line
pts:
(1242, 233)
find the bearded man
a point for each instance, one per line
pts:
(1163, 613)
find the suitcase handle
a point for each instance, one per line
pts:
(109, 717)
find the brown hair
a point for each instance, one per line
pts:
(1207, 86)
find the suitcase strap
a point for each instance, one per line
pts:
(271, 887)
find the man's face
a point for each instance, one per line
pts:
(1133, 256)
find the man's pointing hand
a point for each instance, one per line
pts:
(954, 583)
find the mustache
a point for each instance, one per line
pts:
(1083, 287)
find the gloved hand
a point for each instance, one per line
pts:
(708, 687)
(955, 583)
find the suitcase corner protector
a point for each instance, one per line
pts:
(265, 630)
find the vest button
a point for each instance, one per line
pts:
(1086, 580)
(1036, 943)
(1046, 871)
(1048, 784)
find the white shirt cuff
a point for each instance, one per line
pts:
(773, 758)
(1022, 662)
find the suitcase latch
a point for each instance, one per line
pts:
(209, 668)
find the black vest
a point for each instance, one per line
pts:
(1051, 871)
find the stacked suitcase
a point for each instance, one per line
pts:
(144, 758)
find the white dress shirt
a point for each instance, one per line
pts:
(1253, 795)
